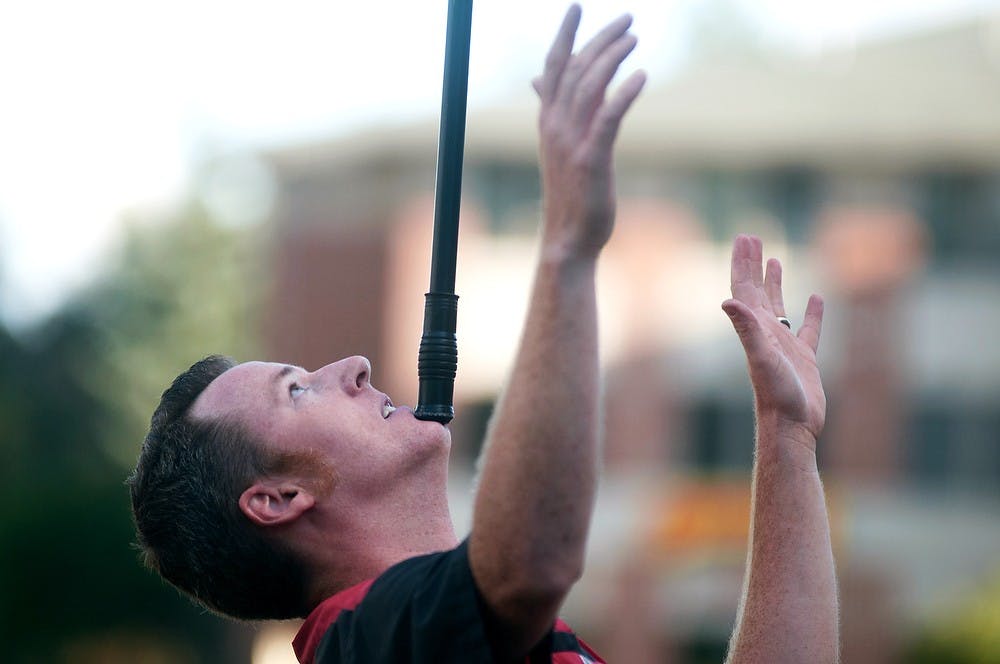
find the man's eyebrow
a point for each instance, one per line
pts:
(284, 371)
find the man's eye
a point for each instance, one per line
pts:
(295, 390)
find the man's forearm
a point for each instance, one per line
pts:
(788, 611)
(539, 476)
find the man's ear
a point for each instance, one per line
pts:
(275, 502)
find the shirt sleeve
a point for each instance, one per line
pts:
(425, 610)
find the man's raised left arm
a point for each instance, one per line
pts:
(788, 612)
(538, 482)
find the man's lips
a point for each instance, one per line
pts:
(387, 408)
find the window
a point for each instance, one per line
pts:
(962, 210)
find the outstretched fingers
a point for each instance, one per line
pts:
(754, 289)
(746, 273)
(609, 116)
(581, 64)
(577, 84)
(591, 87)
(757, 261)
(812, 323)
(559, 55)
(772, 286)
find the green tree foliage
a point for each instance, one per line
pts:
(183, 289)
(75, 399)
(969, 633)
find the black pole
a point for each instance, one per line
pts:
(437, 360)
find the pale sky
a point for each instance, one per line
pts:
(109, 105)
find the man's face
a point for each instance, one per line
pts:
(333, 412)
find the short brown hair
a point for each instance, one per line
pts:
(185, 501)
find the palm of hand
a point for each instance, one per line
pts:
(783, 368)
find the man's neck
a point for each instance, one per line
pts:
(373, 538)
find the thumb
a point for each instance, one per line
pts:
(746, 326)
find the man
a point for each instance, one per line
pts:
(266, 491)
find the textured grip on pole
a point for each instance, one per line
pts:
(437, 360)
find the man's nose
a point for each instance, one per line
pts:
(352, 374)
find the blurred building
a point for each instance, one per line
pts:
(873, 173)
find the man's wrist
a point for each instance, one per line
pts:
(781, 440)
(564, 257)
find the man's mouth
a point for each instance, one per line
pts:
(387, 408)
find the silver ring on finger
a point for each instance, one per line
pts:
(784, 321)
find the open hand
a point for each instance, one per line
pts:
(578, 125)
(783, 370)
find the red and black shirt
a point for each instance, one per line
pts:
(425, 610)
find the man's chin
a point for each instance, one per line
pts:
(442, 435)
(428, 435)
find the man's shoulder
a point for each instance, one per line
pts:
(414, 577)
(417, 603)
(320, 619)
(423, 610)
